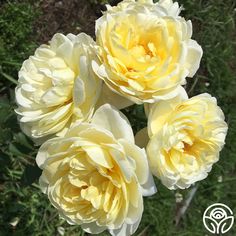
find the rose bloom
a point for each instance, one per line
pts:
(95, 175)
(186, 136)
(146, 50)
(57, 86)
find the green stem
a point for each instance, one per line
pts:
(11, 63)
(8, 77)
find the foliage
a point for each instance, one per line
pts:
(26, 211)
(16, 40)
(99, 1)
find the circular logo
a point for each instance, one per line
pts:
(218, 218)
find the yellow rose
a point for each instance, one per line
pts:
(57, 86)
(146, 50)
(95, 175)
(186, 136)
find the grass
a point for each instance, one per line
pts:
(24, 210)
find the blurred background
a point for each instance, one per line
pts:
(24, 25)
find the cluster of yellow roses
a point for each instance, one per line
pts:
(69, 95)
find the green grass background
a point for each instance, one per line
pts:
(21, 201)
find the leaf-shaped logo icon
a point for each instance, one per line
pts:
(226, 224)
(218, 218)
(210, 224)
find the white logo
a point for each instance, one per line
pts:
(218, 218)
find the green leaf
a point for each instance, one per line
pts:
(12, 123)
(19, 150)
(24, 140)
(4, 160)
(5, 135)
(30, 175)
